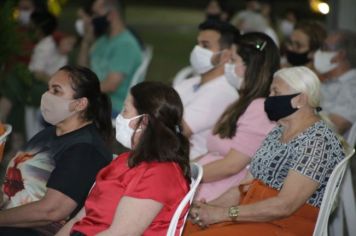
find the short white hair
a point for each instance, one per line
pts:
(302, 80)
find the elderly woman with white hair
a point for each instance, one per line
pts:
(283, 190)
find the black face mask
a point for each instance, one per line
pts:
(278, 107)
(297, 59)
(100, 25)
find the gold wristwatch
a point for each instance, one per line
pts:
(234, 212)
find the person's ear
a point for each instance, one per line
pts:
(311, 55)
(227, 54)
(144, 121)
(340, 56)
(299, 101)
(111, 14)
(224, 16)
(223, 57)
(81, 104)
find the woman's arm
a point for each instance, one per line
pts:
(294, 193)
(54, 206)
(231, 164)
(65, 230)
(133, 216)
(232, 196)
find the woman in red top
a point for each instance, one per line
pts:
(138, 193)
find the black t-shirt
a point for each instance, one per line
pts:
(66, 163)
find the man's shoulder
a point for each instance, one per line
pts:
(220, 85)
(187, 83)
(46, 43)
(127, 38)
(345, 82)
(349, 77)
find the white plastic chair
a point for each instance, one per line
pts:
(141, 71)
(196, 175)
(32, 121)
(346, 210)
(331, 190)
(3, 138)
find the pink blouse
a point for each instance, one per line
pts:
(252, 128)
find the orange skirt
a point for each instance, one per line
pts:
(300, 223)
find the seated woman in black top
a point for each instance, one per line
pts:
(49, 179)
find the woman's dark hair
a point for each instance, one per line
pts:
(45, 21)
(86, 84)
(315, 31)
(261, 58)
(162, 140)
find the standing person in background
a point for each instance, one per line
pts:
(251, 21)
(15, 76)
(51, 52)
(138, 193)
(48, 180)
(115, 55)
(288, 22)
(206, 96)
(306, 38)
(218, 10)
(243, 126)
(336, 63)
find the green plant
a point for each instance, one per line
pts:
(9, 38)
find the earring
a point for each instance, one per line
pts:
(298, 106)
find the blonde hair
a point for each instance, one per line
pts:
(303, 80)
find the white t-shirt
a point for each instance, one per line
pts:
(203, 106)
(338, 96)
(46, 58)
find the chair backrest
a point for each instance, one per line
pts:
(196, 175)
(141, 71)
(3, 138)
(331, 191)
(351, 138)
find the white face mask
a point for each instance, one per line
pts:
(230, 74)
(79, 27)
(124, 132)
(55, 109)
(25, 16)
(286, 28)
(200, 59)
(322, 61)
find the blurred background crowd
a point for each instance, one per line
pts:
(167, 27)
(219, 55)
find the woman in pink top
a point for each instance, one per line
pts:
(244, 124)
